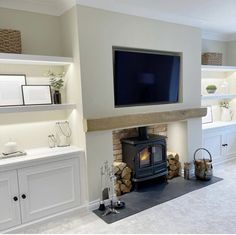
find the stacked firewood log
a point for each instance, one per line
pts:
(123, 182)
(174, 165)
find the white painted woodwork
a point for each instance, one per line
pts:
(219, 97)
(37, 108)
(213, 142)
(9, 58)
(218, 124)
(230, 139)
(9, 209)
(49, 188)
(216, 68)
(221, 142)
(40, 156)
(50, 179)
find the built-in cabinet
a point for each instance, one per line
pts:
(220, 137)
(221, 142)
(9, 200)
(37, 191)
(224, 79)
(48, 188)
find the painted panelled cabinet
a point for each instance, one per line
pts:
(221, 143)
(9, 200)
(34, 192)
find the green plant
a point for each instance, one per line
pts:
(56, 80)
(211, 87)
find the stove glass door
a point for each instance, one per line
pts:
(157, 154)
(144, 158)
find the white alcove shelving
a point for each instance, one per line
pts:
(219, 137)
(30, 126)
(224, 77)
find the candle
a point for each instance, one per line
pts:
(10, 147)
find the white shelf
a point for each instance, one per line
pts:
(36, 108)
(215, 68)
(39, 155)
(8, 58)
(218, 96)
(218, 124)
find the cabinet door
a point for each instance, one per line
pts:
(49, 188)
(213, 142)
(9, 208)
(230, 140)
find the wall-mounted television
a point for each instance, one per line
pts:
(145, 77)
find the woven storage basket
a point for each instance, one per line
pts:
(10, 41)
(210, 58)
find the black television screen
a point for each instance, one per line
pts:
(145, 78)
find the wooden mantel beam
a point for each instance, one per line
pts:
(144, 119)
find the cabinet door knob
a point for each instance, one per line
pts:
(23, 196)
(15, 198)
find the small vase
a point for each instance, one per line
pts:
(226, 114)
(57, 97)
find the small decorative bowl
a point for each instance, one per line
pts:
(211, 91)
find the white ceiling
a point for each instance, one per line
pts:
(50, 7)
(215, 16)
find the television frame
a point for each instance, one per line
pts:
(128, 49)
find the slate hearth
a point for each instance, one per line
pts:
(154, 194)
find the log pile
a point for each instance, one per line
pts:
(174, 165)
(123, 182)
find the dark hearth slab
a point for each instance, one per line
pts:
(155, 194)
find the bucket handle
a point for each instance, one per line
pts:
(204, 150)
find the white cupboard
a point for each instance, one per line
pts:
(221, 142)
(9, 200)
(39, 190)
(48, 189)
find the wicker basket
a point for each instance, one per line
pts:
(10, 41)
(210, 58)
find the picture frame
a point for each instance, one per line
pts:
(10, 89)
(37, 94)
(208, 118)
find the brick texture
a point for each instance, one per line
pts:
(132, 132)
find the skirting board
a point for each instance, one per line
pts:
(93, 205)
(18, 229)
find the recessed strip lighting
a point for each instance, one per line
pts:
(34, 59)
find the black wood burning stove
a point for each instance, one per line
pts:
(145, 155)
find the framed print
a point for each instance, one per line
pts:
(208, 118)
(10, 89)
(37, 95)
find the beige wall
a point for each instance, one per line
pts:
(70, 47)
(21, 127)
(40, 33)
(231, 53)
(43, 35)
(100, 30)
(215, 46)
(228, 49)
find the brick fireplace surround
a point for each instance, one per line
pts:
(132, 132)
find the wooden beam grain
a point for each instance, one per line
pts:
(143, 119)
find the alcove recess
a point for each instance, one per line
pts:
(224, 77)
(22, 123)
(117, 135)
